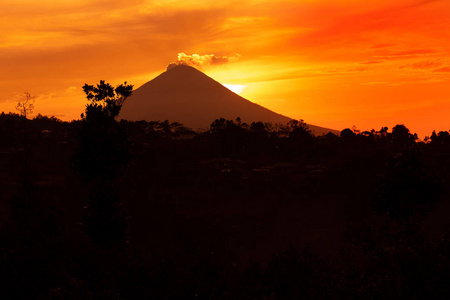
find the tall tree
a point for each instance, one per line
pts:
(26, 106)
(101, 156)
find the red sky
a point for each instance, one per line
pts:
(333, 63)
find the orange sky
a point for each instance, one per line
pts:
(333, 63)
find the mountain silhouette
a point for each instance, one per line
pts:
(184, 94)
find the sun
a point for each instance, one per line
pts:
(236, 88)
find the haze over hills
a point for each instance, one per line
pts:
(184, 94)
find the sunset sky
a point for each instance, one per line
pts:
(333, 63)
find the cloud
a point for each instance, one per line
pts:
(374, 83)
(378, 46)
(426, 64)
(415, 53)
(445, 69)
(372, 62)
(200, 61)
(71, 89)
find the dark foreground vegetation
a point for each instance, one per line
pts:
(101, 209)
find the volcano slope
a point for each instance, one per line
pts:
(185, 95)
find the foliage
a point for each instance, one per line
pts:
(103, 145)
(402, 136)
(348, 134)
(101, 156)
(197, 219)
(400, 262)
(405, 187)
(105, 100)
(228, 137)
(441, 139)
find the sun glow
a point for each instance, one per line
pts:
(235, 88)
(332, 63)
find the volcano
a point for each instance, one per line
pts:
(185, 95)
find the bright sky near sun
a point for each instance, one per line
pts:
(333, 63)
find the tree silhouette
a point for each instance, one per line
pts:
(259, 129)
(103, 146)
(405, 188)
(298, 130)
(442, 138)
(101, 156)
(402, 137)
(26, 106)
(348, 134)
(228, 136)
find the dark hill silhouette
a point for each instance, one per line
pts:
(188, 96)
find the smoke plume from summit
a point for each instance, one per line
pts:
(200, 61)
